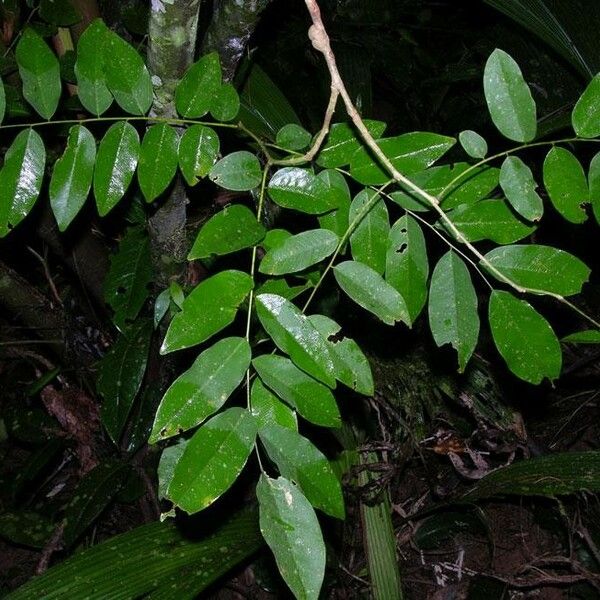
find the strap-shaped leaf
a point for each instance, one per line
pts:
(291, 529)
(116, 162)
(294, 334)
(72, 176)
(198, 152)
(541, 268)
(509, 98)
(268, 409)
(409, 153)
(196, 92)
(300, 461)
(158, 160)
(299, 252)
(311, 399)
(524, 338)
(407, 265)
(201, 390)
(587, 336)
(368, 241)
(130, 273)
(453, 317)
(232, 229)
(121, 374)
(586, 114)
(299, 189)
(351, 366)
(490, 220)
(2, 100)
(198, 319)
(21, 178)
(566, 184)
(40, 73)
(126, 74)
(343, 141)
(213, 459)
(239, 171)
(89, 68)
(518, 184)
(473, 144)
(371, 291)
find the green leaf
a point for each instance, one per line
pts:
(213, 459)
(197, 91)
(343, 141)
(351, 366)
(453, 317)
(166, 466)
(269, 410)
(408, 153)
(540, 268)
(407, 265)
(274, 238)
(490, 220)
(239, 171)
(566, 184)
(368, 289)
(198, 152)
(161, 306)
(94, 493)
(524, 338)
(2, 101)
(116, 162)
(198, 319)
(509, 98)
(311, 399)
(291, 529)
(59, 12)
(72, 176)
(517, 182)
(130, 274)
(40, 72)
(553, 475)
(294, 334)
(126, 74)
(299, 189)
(279, 286)
(158, 160)
(232, 229)
(298, 252)
(368, 241)
(92, 90)
(586, 114)
(21, 178)
(200, 391)
(225, 104)
(594, 185)
(300, 461)
(293, 137)
(588, 336)
(336, 220)
(473, 144)
(121, 374)
(26, 528)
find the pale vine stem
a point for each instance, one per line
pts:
(320, 41)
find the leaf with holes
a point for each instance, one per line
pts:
(198, 319)
(158, 160)
(407, 265)
(238, 171)
(453, 317)
(198, 89)
(311, 399)
(72, 176)
(524, 338)
(201, 390)
(198, 152)
(212, 460)
(268, 409)
(518, 184)
(116, 162)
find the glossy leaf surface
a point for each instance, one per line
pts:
(158, 160)
(586, 114)
(225, 104)
(213, 459)
(72, 176)
(239, 171)
(524, 338)
(201, 390)
(197, 90)
(290, 527)
(300, 461)
(198, 320)
(518, 184)
(198, 152)
(313, 400)
(453, 317)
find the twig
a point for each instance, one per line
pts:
(54, 544)
(48, 275)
